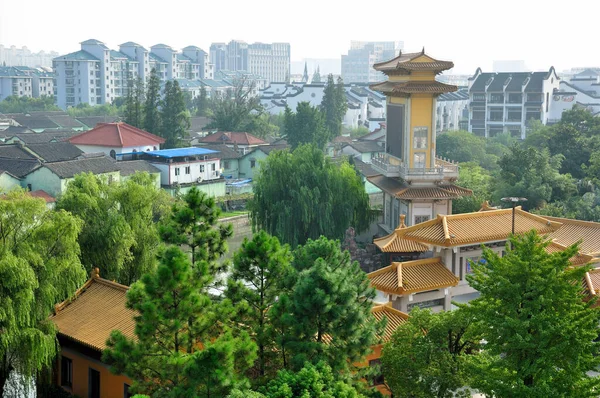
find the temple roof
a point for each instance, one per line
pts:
(413, 87)
(577, 259)
(413, 62)
(413, 276)
(592, 282)
(95, 310)
(471, 228)
(404, 191)
(394, 318)
(573, 231)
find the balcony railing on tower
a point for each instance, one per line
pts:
(391, 166)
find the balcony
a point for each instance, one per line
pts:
(391, 166)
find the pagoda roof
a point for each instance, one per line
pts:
(95, 310)
(413, 62)
(577, 260)
(413, 87)
(470, 228)
(394, 318)
(404, 191)
(413, 276)
(573, 231)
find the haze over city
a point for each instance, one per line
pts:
(460, 30)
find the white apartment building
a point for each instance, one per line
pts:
(357, 65)
(508, 102)
(581, 89)
(13, 56)
(269, 60)
(453, 111)
(98, 75)
(14, 81)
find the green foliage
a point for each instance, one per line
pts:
(39, 267)
(305, 126)
(358, 132)
(316, 77)
(16, 104)
(202, 104)
(437, 347)
(539, 330)
(193, 224)
(174, 116)
(152, 122)
(477, 179)
(325, 315)
(254, 286)
(118, 235)
(334, 106)
(85, 109)
(134, 103)
(301, 194)
(462, 146)
(312, 381)
(534, 174)
(183, 346)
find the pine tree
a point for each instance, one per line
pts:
(254, 286)
(183, 347)
(174, 115)
(129, 115)
(305, 126)
(316, 76)
(152, 122)
(202, 103)
(334, 105)
(539, 330)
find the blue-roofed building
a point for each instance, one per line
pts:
(184, 168)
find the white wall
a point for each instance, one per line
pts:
(108, 149)
(168, 173)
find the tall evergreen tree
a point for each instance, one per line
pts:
(134, 103)
(539, 330)
(174, 115)
(305, 126)
(183, 347)
(39, 267)
(334, 106)
(316, 76)
(254, 286)
(202, 103)
(152, 122)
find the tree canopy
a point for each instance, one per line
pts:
(39, 267)
(16, 104)
(334, 106)
(305, 126)
(174, 116)
(152, 122)
(539, 330)
(302, 194)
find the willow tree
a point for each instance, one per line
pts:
(39, 267)
(302, 195)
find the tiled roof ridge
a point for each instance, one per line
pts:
(387, 307)
(119, 133)
(394, 265)
(564, 220)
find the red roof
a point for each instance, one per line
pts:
(226, 137)
(116, 135)
(42, 194)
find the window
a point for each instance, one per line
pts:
(66, 372)
(213, 166)
(113, 154)
(496, 114)
(479, 97)
(513, 115)
(536, 97)
(378, 377)
(187, 169)
(252, 163)
(176, 171)
(472, 260)
(420, 137)
(496, 98)
(478, 115)
(94, 384)
(420, 219)
(126, 393)
(201, 168)
(419, 160)
(515, 98)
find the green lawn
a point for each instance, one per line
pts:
(226, 214)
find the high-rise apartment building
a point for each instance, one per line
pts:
(98, 75)
(357, 65)
(269, 60)
(13, 56)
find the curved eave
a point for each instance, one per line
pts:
(412, 87)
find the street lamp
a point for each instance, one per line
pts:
(514, 201)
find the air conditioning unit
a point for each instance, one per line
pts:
(199, 179)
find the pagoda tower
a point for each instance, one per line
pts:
(415, 183)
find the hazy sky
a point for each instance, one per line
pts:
(469, 32)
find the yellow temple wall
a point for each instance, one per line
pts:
(421, 108)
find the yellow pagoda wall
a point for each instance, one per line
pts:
(421, 115)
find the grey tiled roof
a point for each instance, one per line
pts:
(14, 151)
(55, 151)
(366, 146)
(16, 130)
(38, 138)
(95, 165)
(224, 152)
(536, 82)
(19, 167)
(480, 82)
(516, 82)
(500, 79)
(130, 167)
(92, 121)
(36, 122)
(66, 121)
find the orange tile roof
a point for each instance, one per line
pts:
(95, 310)
(413, 276)
(408, 62)
(472, 228)
(592, 281)
(574, 230)
(413, 87)
(405, 191)
(42, 194)
(577, 259)
(393, 244)
(118, 135)
(394, 318)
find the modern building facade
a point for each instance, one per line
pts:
(269, 60)
(453, 111)
(98, 75)
(15, 82)
(508, 102)
(13, 56)
(357, 65)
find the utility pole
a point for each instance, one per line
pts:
(513, 200)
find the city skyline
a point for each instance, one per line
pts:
(453, 33)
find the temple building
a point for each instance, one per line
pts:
(415, 182)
